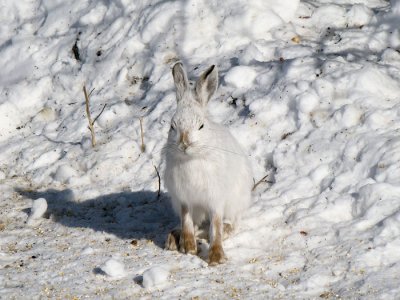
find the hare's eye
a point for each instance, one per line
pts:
(201, 126)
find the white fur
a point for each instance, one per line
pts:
(212, 175)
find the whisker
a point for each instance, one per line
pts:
(168, 146)
(197, 147)
(219, 149)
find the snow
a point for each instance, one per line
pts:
(311, 91)
(240, 77)
(87, 251)
(39, 207)
(113, 268)
(155, 276)
(395, 6)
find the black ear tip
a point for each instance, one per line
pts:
(209, 71)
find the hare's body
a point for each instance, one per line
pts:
(213, 180)
(207, 173)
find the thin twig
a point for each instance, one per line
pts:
(89, 117)
(159, 182)
(143, 146)
(260, 181)
(99, 113)
(90, 93)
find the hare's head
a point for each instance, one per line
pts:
(189, 125)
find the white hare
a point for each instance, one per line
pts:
(207, 174)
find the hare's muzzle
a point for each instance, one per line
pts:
(184, 140)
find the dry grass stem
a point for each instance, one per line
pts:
(143, 146)
(261, 181)
(99, 113)
(89, 117)
(159, 182)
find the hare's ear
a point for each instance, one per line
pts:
(180, 79)
(207, 85)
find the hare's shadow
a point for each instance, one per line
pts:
(128, 215)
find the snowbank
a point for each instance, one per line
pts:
(311, 90)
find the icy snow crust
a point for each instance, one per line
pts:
(311, 90)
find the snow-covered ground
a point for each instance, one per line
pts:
(311, 89)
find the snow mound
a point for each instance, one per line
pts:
(114, 269)
(242, 22)
(65, 174)
(309, 88)
(241, 77)
(87, 251)
(155, 276)
(39, 207)
(395, 4)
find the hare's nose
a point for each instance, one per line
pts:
(184, 139)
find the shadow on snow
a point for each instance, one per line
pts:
(127, 215)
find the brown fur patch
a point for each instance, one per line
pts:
(172, 242)
(216, 255)
(188, 243)
(184, 139)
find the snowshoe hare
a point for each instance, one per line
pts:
(207, 174)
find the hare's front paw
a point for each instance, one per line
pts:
(187, 243)
(216, 255)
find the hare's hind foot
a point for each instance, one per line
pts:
(173, 238)
(216, 255)
(178, 240)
